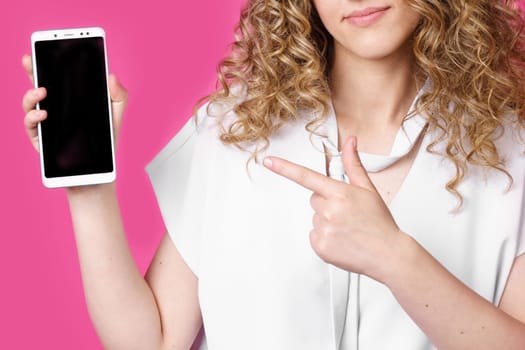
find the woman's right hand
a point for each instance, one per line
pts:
(118, 94)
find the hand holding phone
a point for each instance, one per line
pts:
(117, 92)
(76, 138)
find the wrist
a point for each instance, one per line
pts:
(403, 257)
(91, 191)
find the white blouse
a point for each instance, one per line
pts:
(244, 233)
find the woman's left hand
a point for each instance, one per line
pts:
(352, 226)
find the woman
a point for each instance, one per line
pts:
(413, 242)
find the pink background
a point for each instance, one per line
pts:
(165, 52)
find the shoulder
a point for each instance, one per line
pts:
(200, 130)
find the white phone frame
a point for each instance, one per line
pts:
(77, 180)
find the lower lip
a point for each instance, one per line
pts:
(368, 20)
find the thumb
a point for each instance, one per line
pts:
(354, 169)
(119, 99)
(117, 91)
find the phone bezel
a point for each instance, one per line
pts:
(85, 179)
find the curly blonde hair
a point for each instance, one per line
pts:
(471, 50)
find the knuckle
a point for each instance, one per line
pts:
(27, 101)
(322, 247)
(29, 119)
(314, 201)
(33, 117)
(316, 221)
(328, 214)
(342, 194)
(324, 241)
(31, 98)
(332, 210)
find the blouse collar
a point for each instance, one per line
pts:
(404, 141)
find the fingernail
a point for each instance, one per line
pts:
(267, 162)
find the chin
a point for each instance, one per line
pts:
(377, 50)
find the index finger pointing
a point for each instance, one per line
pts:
(301, 175)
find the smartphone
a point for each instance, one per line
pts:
(76, 139)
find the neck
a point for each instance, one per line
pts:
(372, 91)
(371, 97)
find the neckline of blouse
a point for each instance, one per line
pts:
(404, 142)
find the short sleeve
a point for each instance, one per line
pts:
(170, 173)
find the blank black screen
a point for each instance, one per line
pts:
(76, 134)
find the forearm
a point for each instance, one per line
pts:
(120, 302)
(450, 313)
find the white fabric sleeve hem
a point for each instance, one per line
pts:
(170, 173)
